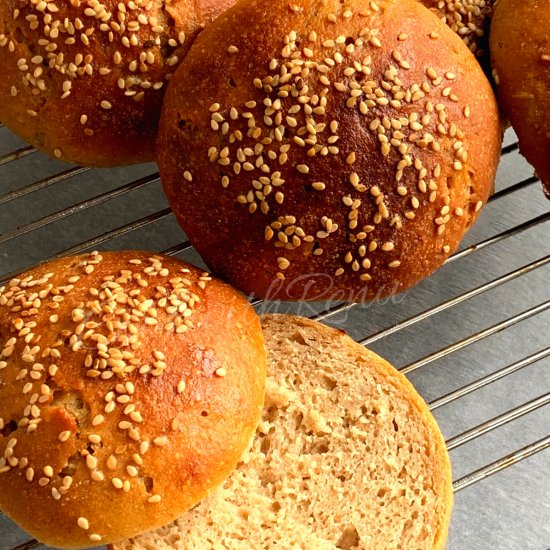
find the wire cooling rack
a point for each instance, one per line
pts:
(474, 338)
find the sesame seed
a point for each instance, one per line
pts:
(117, 483)
(91, 462)
(350, 159)
(98, 419)
(83, 523)
(97, 475)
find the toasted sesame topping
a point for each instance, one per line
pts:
(467, 18)
(65, 46)
(106, 321)
(83, 523)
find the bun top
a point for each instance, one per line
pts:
(83, 80)
(130, 386)
(328, 149)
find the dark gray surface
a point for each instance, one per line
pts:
(507, 511)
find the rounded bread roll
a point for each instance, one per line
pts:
(84, 80)
(328, 150)
(347, 456)
(130, 386)
(520, 54)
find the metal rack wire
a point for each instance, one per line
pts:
(339, 313)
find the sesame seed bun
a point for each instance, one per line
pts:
(470, 19)
(520, 55)
(130, 386)
(328, 150)
(84, 81)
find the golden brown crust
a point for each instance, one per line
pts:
(420, 182)
(468, 18)
(520, 53)
(84, 81)
(140, 379)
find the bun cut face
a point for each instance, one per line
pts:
(130, 386)
(327, 149)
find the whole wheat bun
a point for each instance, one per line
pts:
(328, 149)
(130, 386)
(84, 80)
(470, 19)
(520, 54)
(347, 456)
